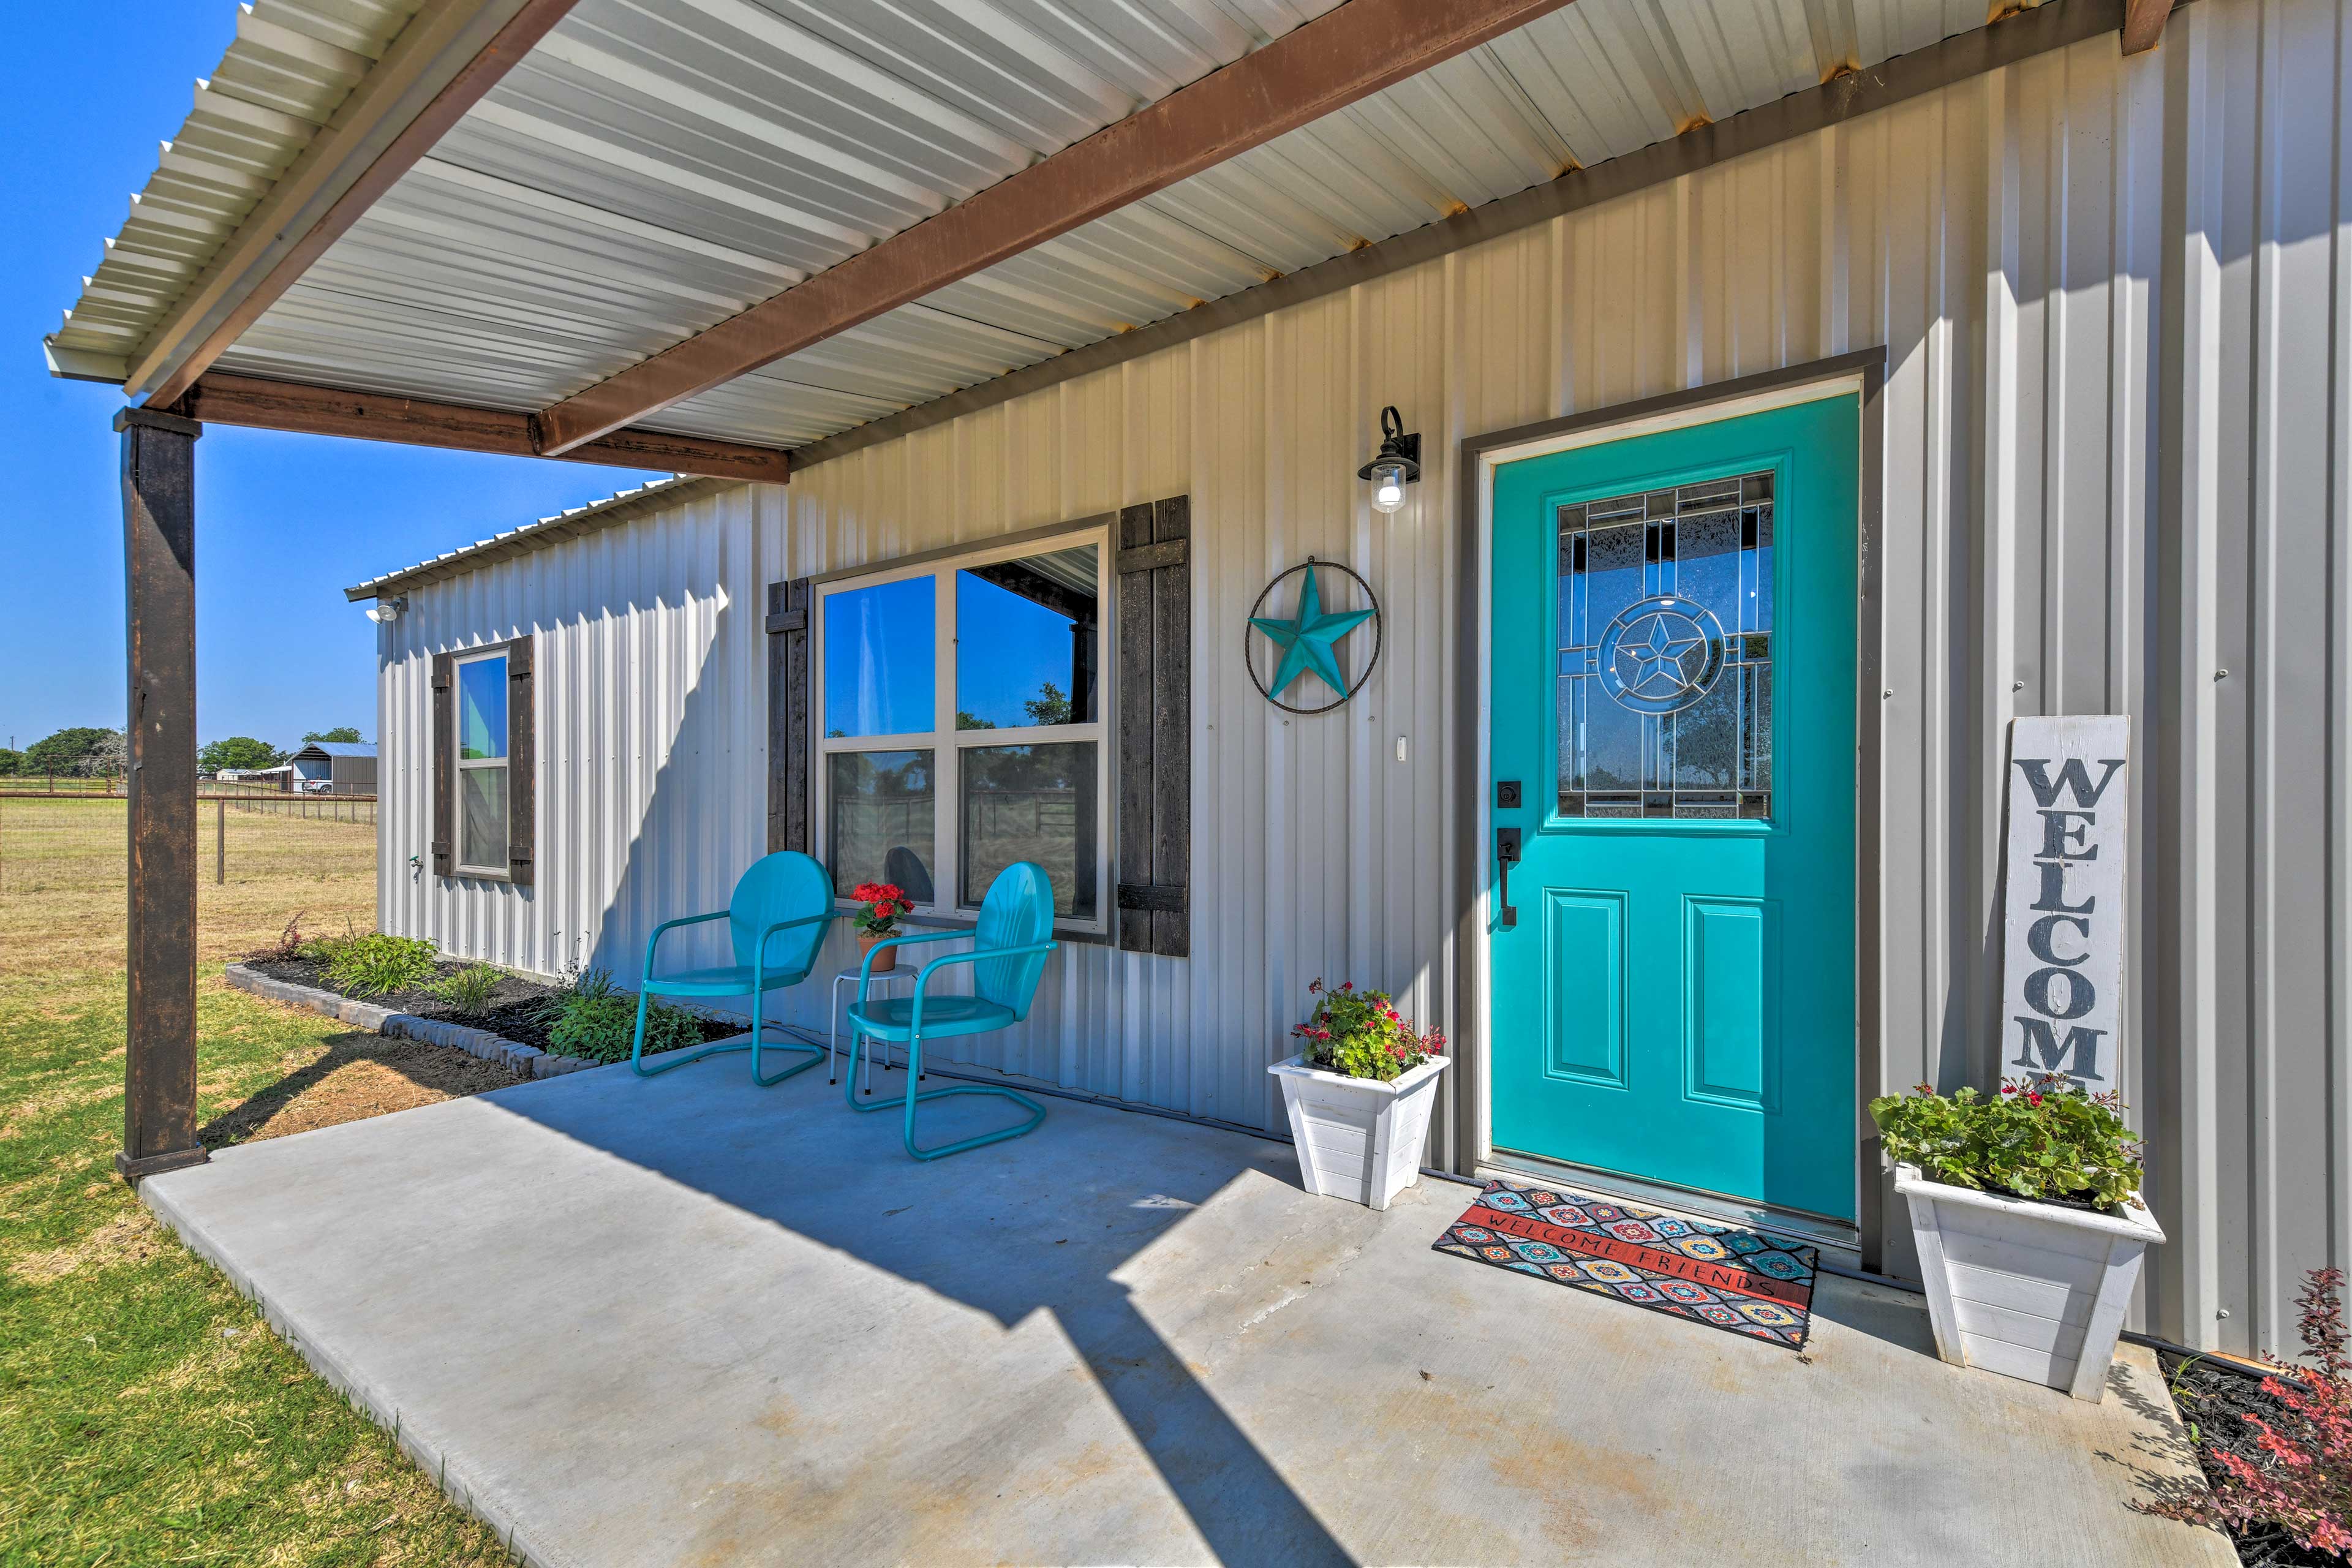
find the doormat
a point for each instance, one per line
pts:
(1735, 1279)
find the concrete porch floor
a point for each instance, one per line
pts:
(688, 1322)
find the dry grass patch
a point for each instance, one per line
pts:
(130, 1236)
(63, 888)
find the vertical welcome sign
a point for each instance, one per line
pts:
(2069, 822)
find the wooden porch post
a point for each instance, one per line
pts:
(159, 536)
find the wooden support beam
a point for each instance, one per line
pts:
(439, 66)
(159, 533)
(2144, 24)
(376, 416)
(1344, 54)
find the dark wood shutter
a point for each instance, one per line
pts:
(444, 741)
(523, 762)
(1155, 727)
(789, 719)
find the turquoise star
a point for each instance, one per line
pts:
(1307, 639)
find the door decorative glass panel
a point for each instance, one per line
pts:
(1666, 653)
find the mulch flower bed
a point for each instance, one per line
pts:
(520, 1010)
(2214, 1401)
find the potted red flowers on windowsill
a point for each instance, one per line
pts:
(1359, 1095)
(880, 906)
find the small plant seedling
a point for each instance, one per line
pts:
(470, 990)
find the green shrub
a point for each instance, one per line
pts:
(592, 983)
(600, 1026)
(469, 989)
(375, 964)
(2048, 1138)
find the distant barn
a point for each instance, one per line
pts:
(333, 767)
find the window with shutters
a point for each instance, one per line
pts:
(481, 764)
(962, 729)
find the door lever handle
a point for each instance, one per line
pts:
(1506, 855)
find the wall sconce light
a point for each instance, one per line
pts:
(384, 612)
(1398, 464)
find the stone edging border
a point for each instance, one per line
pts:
(528, 1061)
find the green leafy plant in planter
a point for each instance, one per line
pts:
(600, 1026)
(2047, 1139)
(375, 965)
(1361, 1034)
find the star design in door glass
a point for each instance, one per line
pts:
(1659, 654)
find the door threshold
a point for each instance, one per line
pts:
(1835, 1236)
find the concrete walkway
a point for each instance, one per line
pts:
(687, 1322)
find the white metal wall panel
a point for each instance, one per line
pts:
(2116, 300)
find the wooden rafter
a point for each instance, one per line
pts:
(375, 416)
(2144, 24)
(1345, 55)
(439, 68)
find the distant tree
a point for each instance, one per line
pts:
(111, 757)
(346, 734)
(67, 751)
(10, 761)
(240, 751)
(1050, 706)
(966, 719)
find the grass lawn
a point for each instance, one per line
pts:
(147, 1416)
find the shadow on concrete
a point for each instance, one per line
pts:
(676, 861)
(433, 1072)
(1894, 1317)
(1044, 1224)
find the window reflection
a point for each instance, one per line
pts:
(482, 708)
(882, 806)
(1027, 632)
(880, 660)
(1032, 802)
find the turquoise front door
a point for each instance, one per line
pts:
(1674, 629)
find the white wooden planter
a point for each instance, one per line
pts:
(2029, 1290)
(1358, 1138)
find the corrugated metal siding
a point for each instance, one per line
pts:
(2115, 300)
(652, 692)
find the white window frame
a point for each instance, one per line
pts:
(461, 762)
(947, 743)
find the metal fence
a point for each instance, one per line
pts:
(75, 840)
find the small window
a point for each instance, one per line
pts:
(481, 761)
(963, 727)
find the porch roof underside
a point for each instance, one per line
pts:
(647, 171)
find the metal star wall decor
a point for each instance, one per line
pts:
(1310, 638)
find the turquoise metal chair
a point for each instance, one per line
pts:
(1008, 956)
(777, 920)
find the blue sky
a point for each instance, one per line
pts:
(283, 522)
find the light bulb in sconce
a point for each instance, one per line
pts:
(1397, 464)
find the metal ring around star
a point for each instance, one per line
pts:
(1379, 622)
(1661, 654)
